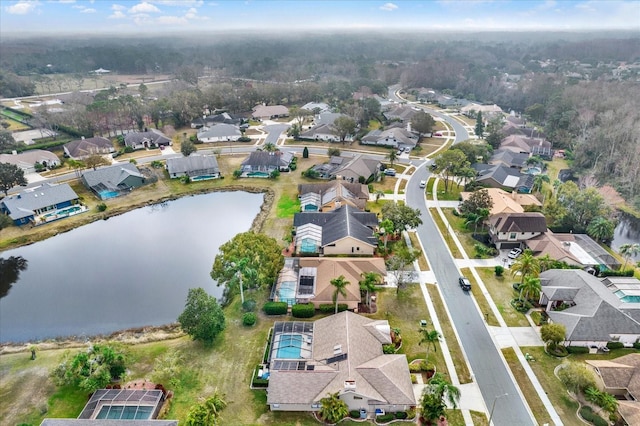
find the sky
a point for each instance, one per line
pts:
(156, 16)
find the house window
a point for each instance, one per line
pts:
(513, 235)
(357, 397)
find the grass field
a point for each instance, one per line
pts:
(445, 230)
(501, 292)
(287, 206)
(481, 300)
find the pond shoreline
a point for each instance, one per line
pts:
(137, 334)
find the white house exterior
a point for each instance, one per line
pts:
(220, 133)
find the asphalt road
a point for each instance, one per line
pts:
(490, 372)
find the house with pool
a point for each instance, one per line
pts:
(328, 196)
(196, 167)
(308, 279)
(113, 181)
(42, 204)
(340, 353)
(262, 163)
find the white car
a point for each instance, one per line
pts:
(423, 184)
(514, 253)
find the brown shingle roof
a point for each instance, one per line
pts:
(519, 222)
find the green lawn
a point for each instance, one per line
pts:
(287, 206)
(455, 252)
(501, 292)
(465, 235)
(453, 191)
(530, 394)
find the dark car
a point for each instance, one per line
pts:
(464, 283)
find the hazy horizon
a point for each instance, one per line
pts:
(25, 18)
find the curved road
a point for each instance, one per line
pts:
(489, 370)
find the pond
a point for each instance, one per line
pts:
(627, 232)
(128, 271)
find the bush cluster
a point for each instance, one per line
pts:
(577, 349)
(385, 418)
(249, 319)
(609, 273)
(275, 308)
(259, 383)
(615, 345)
(354, 414)
(329, 308)
(249, 305)
(636, 345)
(587, 413)
(101, 207)
(303, 310)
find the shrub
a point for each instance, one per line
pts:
(414, 379)
(244, 139)
(101, 207)
(636, 345)
(389, 349)
(587, 413)
(615, 345)
(516, 286)
(128, 149)
(275, 308)
(303, 310)
(249, 305)
(329, 308)
(557, 350)
(385, 418)
(577, 349)
(354, 414)
(249, 319)
(401, 415)
(521, 305)
(415, 368)
(259, 382)
(499, 270)
(625, 273)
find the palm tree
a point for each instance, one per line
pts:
(270, 147)
(392, 156)
(601, 229)
(526, 265)
(539, 180)
(429, 338)
(431, 407)
(473, 219)
(530, 287)
(339, 283)
(545, 262)
(208, 411)
(484, 214)
(442, 388)
(379, 194)
(629, 250)
(369, 282)
(332, 408)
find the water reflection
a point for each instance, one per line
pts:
(10, 272)
(627, 232)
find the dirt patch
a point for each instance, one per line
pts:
(32, 385)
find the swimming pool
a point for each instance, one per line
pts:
(125, 412)
(105, 195)
(287, 292)
(290, 346)
(258, 174)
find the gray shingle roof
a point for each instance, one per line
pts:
(509, 158)
(519, 222)
(220, 131)
(150, 137)
(111, 176)
(24, 203)
(266, 159)
(355, 193)
(192, 163)
(85, 147)
(343, 222)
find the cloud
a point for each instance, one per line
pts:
(22, 7)
(117, 15)
(389, 7)
(172, 20)
(118, 7)
(88, 10)
(182, 3)
(143, 7)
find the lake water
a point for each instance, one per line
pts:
(128, 271)
(627, 232)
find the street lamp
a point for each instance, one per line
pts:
(493, 406)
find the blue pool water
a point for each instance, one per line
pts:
(203, 177)
(287, 292)
(63, 212)
(290, 346)
(125, 412)
(105, 195)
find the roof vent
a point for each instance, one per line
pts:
(337, 349)
(350, 385)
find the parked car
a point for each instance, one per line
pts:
(423, 184)
(464, 283)
(514, 253)
(390, 172)
(407, 149)
(437, 134)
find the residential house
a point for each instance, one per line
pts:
(488, 111)
(325, 197)
(28, 159)
(111, 407)
(341, 354)
(316, 107)
(402, 113)
(593, 311)
(328, 169)
(508, 158)
(196, 167)
(343, 231)
(266, 112)
(220, 133)
(621, 378)
(362, 93)
(83, 148)
(42, 204)
(575, 249)
(394, 137)
(506, 202)
(149, 139)
(263, 163)
(323, 132)
(511, 230)
(526, 145)
(516, 120)
(212, 120)
(113, 181)
(500, 176)
(357, 167)
(308, 279)
(327, 118)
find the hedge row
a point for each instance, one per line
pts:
(275, 308)
(587, 413)
(577, 349)
(256, 382)
(625, 273)
(328, 308)
(303, 310)
(615, 345)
